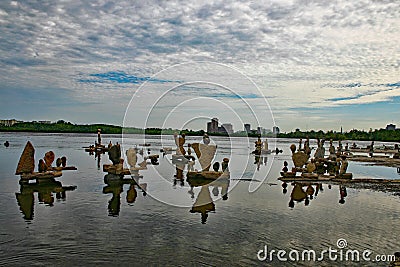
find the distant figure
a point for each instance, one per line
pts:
(99, 137)
(6, 144)
(332, 151)
(307, 148)
(300, 142)
(340, 147)
(258, 145)
(109, 145)
(371, 149)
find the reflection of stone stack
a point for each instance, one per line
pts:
(203, 204)
(204, 201)
(26, 202)
(205, 154)
(298, 193)
(45, 190)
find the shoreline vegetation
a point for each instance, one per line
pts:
(67, 127)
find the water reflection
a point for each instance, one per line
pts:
(45, 190)
(97, 150)
(180, 164)
(343, 194)
(97, 155)
(260, 160)
(307, 192)
(204, 202)
(114, 186)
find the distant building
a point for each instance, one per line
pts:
(275, 130)
(227, 127)
(212, 127)
(247, 128)
(259, 130)
(208, 127)
(391, 127)
(9, 123)
(45, 122)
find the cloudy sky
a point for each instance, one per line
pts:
(298, 64)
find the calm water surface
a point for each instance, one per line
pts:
(99, 224)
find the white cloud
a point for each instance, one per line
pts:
(290, 48)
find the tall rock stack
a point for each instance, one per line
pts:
(26, 162)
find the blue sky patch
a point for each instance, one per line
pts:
(119, 77)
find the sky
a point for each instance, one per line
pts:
(296, 64)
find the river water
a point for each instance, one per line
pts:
(99, 224)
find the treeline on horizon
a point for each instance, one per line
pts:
(371, 135)
(67, 127)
